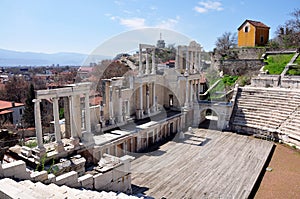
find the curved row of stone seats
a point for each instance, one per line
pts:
(291, 128)
(29, 190)
(263, 109)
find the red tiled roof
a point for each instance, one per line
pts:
(254, 23)
(7, 104)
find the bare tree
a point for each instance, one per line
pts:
(288, 35)
(224, 43)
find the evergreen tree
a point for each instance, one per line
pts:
(28, 116)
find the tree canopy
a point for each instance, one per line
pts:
(288, 34)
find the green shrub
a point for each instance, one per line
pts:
(31, 144)
(229, 80)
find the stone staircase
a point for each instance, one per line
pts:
(29, 190)
(259, 110)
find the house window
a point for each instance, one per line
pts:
(21, 111)
(247, 29)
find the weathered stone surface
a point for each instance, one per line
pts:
(69, 179)
(101, 180)
(39, 176)
(16, 170)
(86, 181)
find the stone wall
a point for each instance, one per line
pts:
(290, 82)
(247, 61)
(265, 81)
(241, 67)
(250, 53)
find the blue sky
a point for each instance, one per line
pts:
(52, 26)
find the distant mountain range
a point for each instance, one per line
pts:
(16, 58)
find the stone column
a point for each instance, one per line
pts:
(191, 93)
(111, 109)
(147, 99)
(147, 64)
(153, 98)
(153, 62)
(38, 126)
(140, 109)
(140, 62)
(177, 58)
(199, 60)
(186, 104)
(141, 97)
(191, 62)
(74, 137)
(187, 60)
(195, 90)
(120, 120)
(59, 144)
(87, 113)
(67, 117)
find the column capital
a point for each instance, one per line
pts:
(36, 100)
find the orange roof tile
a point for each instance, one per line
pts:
(7, 104)
(5, 112)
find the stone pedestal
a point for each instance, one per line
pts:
(59, 146)
(88, 138)
(181, 135)
(75, 141)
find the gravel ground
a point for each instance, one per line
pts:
(284, 180)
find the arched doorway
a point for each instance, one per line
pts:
(208, 119)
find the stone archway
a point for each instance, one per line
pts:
(209, 118)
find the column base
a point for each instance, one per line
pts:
(153, 109)
(120, 119)
(148, 111)
(75, 141)
(88, 138)
(112, 121)
(186, 105)
(181, 135)
(40, 152)
(140, 113)
(59, 146)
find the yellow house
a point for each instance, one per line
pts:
(253, 33)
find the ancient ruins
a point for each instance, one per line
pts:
(99, 144)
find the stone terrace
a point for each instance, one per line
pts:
(260, 110)
(205, 164)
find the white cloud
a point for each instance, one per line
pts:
(133, 23)
(127, 12)
(169, 23)
(205, 6)
(153, 8)
(199, 9)
(113, 18)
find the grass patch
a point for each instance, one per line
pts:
(222, 87)
(295, 70)
(31, 144)
(275, 63)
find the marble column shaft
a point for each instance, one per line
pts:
(56, 120)
(87, 113)
(38, 124)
